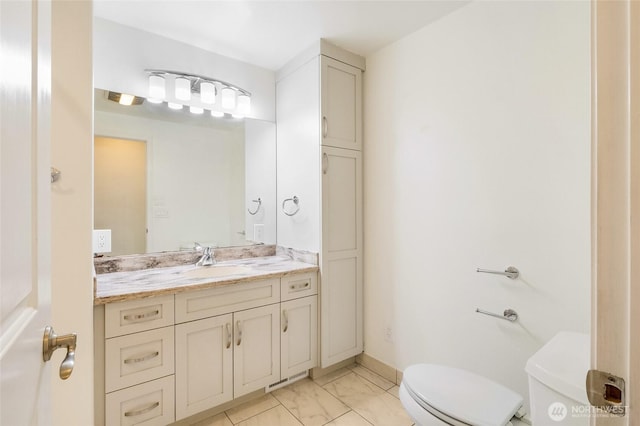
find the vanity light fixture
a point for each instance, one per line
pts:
(124, 99)
(199, 93)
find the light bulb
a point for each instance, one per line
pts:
(125, 99)
(156, 87)
(207, 92)
(173, 105)
(154, 100)
(244, 104)
(228, 98)
(183, 88)
(195, 110)
(217, 113)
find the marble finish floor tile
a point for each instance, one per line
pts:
(277, 416)
(368, 400)
(332, 376)
(350, 419)
(395, 391)
(373, 377)
(252, 408)
(310, 403)
(218, 420)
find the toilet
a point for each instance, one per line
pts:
(435, 395)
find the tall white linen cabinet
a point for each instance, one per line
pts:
(319, 184)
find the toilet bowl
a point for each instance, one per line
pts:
(435, 395)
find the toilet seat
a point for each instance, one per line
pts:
(460, 397)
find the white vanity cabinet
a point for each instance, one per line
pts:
(204, 364)
(227, 344)
(341, 104)
(139, 362)
(319, 132)
(167, 358)
(298, 324)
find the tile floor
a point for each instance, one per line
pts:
(352, 396)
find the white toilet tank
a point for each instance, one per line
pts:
(557, 381)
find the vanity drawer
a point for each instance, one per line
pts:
(299, 285)
(138, 358)
(137, 315)
(223, 300)
(150, 404)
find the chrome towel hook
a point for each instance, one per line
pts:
(295, 201)
(259, 201)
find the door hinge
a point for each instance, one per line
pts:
(606, 392)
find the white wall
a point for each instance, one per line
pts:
(121, 54)
(189, 170)
(477, 154)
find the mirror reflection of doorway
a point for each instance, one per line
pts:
(120, 193)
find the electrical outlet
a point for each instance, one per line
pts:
(101, 240)
(388, 334)
(258, 232)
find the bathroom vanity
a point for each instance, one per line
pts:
(176, 341)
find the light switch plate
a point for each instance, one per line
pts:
(258, 233)
(101, 240)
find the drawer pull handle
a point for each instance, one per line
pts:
(239, 333)
(285, 327)
(143, 358)
(228, 335)
(299, 286)
(142, 317)
(142, 410)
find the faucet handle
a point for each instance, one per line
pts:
(197, 246)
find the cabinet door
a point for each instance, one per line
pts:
(341, 265)
(299, 339)
(204, 356)
(341, 87)
(256, 358)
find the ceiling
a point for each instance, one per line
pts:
(270, 33)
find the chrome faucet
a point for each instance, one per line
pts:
(207, 258)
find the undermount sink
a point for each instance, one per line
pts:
(215, 271)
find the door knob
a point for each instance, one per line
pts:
(51, 341)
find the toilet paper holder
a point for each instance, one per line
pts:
(508, 314)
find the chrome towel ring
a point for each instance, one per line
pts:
(295, 201)
(259, 201)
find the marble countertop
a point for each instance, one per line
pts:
(130, 285)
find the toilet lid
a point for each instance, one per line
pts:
(461, 395)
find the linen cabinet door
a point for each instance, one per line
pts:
(341, 324)
(204, 364)
(256, 359)
(341, 87)
(299, 339)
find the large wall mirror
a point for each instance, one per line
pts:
(165, 179)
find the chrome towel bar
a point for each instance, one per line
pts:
(511, 272)
(508, 315)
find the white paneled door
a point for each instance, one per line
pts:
(24, 211)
